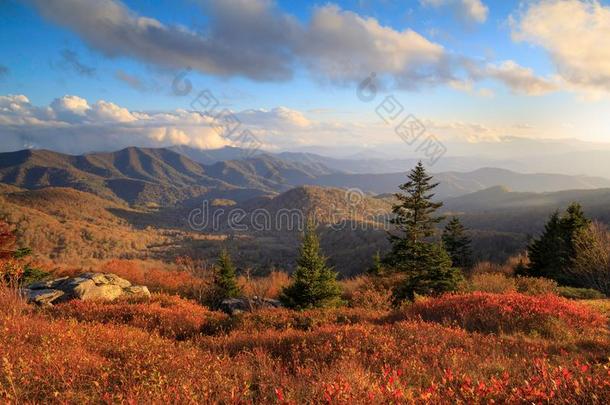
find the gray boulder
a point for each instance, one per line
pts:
(42, 297)
(87, 286)
(234, 306)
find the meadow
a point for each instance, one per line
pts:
(468, 347)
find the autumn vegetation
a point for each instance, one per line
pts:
(422, 325)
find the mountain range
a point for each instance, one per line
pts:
(136, 202)
(168, 177)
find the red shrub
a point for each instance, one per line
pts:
(547, 315)
(170, 316)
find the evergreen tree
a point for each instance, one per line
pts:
(314, 284)
(225, 281)
(377, 268)
(425, 263)
(457, 244)
(552, 253)
(414, 211)
(433, 274)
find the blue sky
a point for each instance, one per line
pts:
(482, 70)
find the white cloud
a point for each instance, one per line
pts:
(75, 125)
(255, 39)
(104, 111)
(519, 79)
(276, 118)
(343, 46)
(575, 34)
(72, 124)
(467, 10)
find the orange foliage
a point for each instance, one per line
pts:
(170, 316)
(166, 279)
(548, 315)
(105, 353)
(269, 286)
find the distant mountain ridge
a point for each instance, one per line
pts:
(165, 177)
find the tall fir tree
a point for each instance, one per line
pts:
(225, 280)
(552, 253)
(314, 284)
(425, 263)
(457, 244)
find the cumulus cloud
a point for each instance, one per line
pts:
(341, 45)
(518, 78)
(470, 11)
(73, 124)
(255, 39)
(277, 118)
(575, 35)
(245, 37)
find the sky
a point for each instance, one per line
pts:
(86, 75)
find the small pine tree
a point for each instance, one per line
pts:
(425, 264)
(457, 244)
(431, 274)
(314, 284)
(377, 268)
(553, 252)
(225, 281)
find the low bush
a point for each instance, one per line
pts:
(170, 316)
(269, 286)
(535, 285)
(158, 277)
(544, 315)
(367, 293)
(497, 283)
(580, 293)
(500, 283)
(352, 356)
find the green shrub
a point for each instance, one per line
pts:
(580, 293)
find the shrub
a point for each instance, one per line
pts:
(546, 315)
(170, 316)
(367, 292)
(371, 298)
(269, 286)
(497, 283)
(535, 285)
(576, 293)
(333, 356)
(187, 279)
(491, 268)
(591, 266)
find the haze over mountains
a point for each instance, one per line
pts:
(169, 176)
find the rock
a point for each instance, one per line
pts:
(86, 291)
(87, 286)
(47, 284)
(137, 290)
(42, 297)
(271, 303)
(234, 306)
